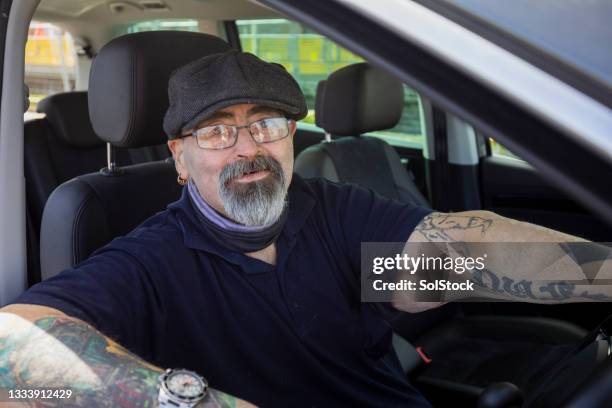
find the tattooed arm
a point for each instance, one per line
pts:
(553, 268)
(41, 347)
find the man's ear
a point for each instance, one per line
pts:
(176, 148)
(292, 127)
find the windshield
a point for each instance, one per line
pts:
(578, 33)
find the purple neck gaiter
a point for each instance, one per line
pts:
(235, 236)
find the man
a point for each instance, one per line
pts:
(251, 279)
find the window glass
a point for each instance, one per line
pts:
(310, 58)
(160, 25)
(500, 151)
(546, 27)
(50, 62)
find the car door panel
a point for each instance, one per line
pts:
(514, 189)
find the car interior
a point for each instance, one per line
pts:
(96, 165)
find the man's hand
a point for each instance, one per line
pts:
(42, 348)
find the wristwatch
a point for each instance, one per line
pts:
(180, 388)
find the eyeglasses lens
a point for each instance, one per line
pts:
(269, 130)
(223, 136)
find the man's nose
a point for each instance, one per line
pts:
(246, 145)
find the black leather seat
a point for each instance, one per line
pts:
(60, 146)
(57, 147)
(127, 101)
(468, 352)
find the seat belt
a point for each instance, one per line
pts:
(410, 358)
(602, 332)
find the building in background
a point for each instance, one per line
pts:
(50, 61)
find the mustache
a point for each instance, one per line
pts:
(245, 166)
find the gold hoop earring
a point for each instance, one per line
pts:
(181, 180)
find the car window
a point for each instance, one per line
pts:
(311, 57)
(546, 27)
(498, 150)
(159, 25)
(50, 62)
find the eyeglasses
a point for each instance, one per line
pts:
(217, 137)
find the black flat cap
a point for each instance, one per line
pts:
(202, 87)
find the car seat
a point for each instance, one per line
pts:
(127, 101)
(355, 100)
(57, 147)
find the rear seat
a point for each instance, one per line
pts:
(58, 147)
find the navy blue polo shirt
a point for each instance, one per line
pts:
(291, 334)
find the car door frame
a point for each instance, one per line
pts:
(13, 29)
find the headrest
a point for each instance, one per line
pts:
(128, 83)
(68, 116)
(360, 98)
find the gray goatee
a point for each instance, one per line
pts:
(255, 203)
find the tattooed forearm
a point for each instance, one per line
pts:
(525, 262)
(438, 227)
(489, 283)
(65, 353)
(218, 399)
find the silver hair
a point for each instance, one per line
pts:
(259, 202)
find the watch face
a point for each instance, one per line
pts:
(185, 384)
